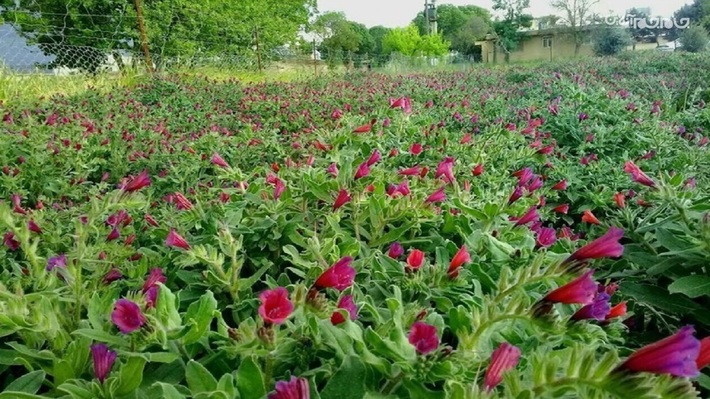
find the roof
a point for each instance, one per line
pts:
(545, 32)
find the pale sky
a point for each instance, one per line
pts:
(393, 13)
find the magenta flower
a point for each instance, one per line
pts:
(362, 171)
(103, 359)
(275, 306)
(516, 195)
(637, 174)
(581, 290)
(154, 277)
(396, 250)
(561, 185)
(136, 183)
(604, 246)
(424, 338)
(374, 158)
(545, 237)
(530, 216)
(333, 170)
(346, 302)
(279, 188)
(437, 196)
(127, 316)
(524, 175)
(446, 169)
(598, 309)
(339, 276)
(296, 388)
(675, 355)
(112, 275)
(34, 227)
(504, 358)
(56, 261)
(175, 240)
(343, 198)
(219, 161)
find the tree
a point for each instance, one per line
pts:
(407, 41)
(377, 33)
(508, 29)
(694, 39)
(549, 21)
(460, 25)
(70, 30)
(697, 13)
(576, 13)
(639, 30)
(611, 40)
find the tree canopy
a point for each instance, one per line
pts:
(460, 25)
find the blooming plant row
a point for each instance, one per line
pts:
(514, 233)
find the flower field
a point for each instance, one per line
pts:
(521, 232)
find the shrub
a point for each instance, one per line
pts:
(611, 41)
(694, 39)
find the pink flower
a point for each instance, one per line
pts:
(675, 355)
(34, 227)
(424, 337)
(415, 149)
(56, 261)
(333, 170)
(339, 276)
(545, 237)
(279, 188)
(103, 359)
(505, 358)
(396, 250)
(346, 303)
(637, 174)
(175, 240)
(374, 158)
(415, 259)
(413, 171)
(446, 169)
(296, 388)
(219, 161)
(127, 316)
(275, 306)
(530, 216)
(604, 246)
(342, 199)
(597, 310)
(516, 195)
(154, 277)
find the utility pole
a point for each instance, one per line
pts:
(430, 15)
(144, 36)
(315, 60)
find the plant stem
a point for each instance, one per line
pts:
(392, 384)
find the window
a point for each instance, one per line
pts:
(546, 42)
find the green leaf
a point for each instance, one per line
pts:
(691, 286)
(130, 375)
(226, 385)
(347, 382)
(101, 336)
(28, 383)
(75, 391)
(10, 394)
(199, 379)
(166, 308)
(250, 380)
(201, 312)
(166, 391)
(659, 298)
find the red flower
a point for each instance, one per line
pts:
(581, 290)
(466, 138)
(462, 256)
(618, 310)
(181, 202)
(296, 388)
(562, 208)
(138, 182)
(279, 188)
(365, 128)
(339, 276)
(345, 303)
(530, 216)
(415, 149)
(675, 355)
(446, 169)
(219, 161)
(637, 174)
(415, 259)
(604, 246)
(275, 306)
(175, 240)
(154, 277)
(127, 316)
(504, 358)
(517, 193)
(562, 185)
(34, 227)
(343, 198)
(703, 359)
(413, 171)
(588, 217)
(477, 170)
(619, 198)
(362, 171)
(424, 338)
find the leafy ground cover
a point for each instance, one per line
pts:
(515, 232)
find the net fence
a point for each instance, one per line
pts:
(41, 43)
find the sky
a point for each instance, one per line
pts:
(393, 13)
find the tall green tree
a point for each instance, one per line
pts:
(82, 32)
(507, 28)
(378, 33)
(407, 41)
(461, 25)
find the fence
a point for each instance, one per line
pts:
(106, 47)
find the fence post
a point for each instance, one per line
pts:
(315, 60)
(144, 36)
(258, 51)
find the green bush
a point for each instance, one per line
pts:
(695, 39)
(611, 41)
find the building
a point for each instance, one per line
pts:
(547, 45)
